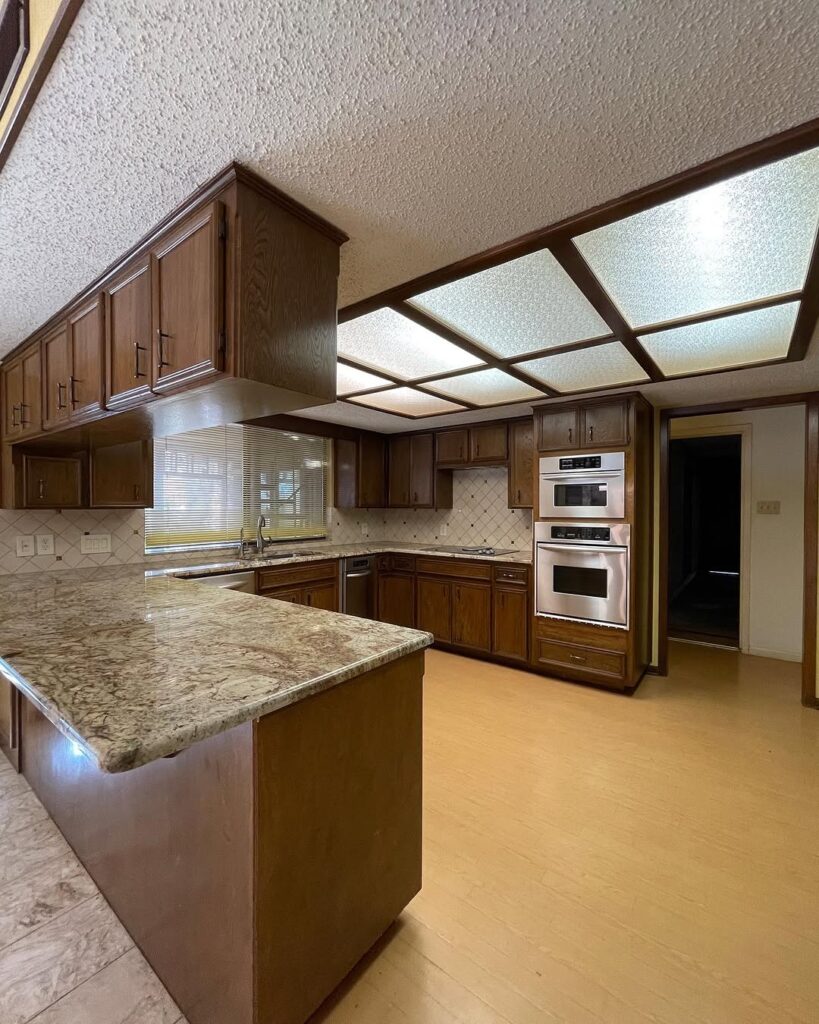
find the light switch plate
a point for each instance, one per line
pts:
(768, 508)
(45, 543)
(95, 543)
(25, 546)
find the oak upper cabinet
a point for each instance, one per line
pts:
(488, 443)
(422, 471)
(188, 284)
(471, 615)
(398, 488)
(414, 481)
(558, 428)
(360, 472)
(605, 423)
(121, 475)
(521, 464)
(22, 395)
(56, 374)
(452, 447)
(128, 337)
(52, 482)
(434, 608)
(85, 355)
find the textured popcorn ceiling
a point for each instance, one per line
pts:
(427, 131)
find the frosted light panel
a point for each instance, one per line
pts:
(523, 306)
(586, 368)
(349, 379)
(385, 340)
(729, 341)
(746, 238)
(485, 387)
(408, 402)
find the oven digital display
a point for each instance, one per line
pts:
(580, 581)
(581, 462)
(581, 495)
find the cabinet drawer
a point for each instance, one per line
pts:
(402, 563)
(510, 574)
(289, 575)
(584, 634)
(582, 659)
(452, 567)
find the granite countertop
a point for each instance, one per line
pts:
(134, 666)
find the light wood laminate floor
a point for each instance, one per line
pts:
(588, 858)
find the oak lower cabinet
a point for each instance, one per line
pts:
(395, 600)
(471, 615)
(10, 721)
(52, 482)
(453, 602)
(314, 584)
(122, 475)
(434, 608)
(510, 612)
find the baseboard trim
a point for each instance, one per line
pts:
(763, 652)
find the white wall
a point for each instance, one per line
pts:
(777, 466)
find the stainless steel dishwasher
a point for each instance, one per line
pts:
(358, 586)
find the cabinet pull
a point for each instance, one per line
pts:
(518, 494)
(591, 433)
(72, 381)
(60, 388)
(137, 349)
(161, 335)
(136, 492)
(41, 489)
(14, 421)
(23, 421)
(570, 435)
(415, 497)
(477, 449)
(578, 659)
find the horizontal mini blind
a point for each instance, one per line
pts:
(209, 483)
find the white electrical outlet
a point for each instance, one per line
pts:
(95, 543)
(25, 546)
(365, 530)
(45, 543)
(768, 508)
(444, 530)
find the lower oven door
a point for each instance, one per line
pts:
(582, 581)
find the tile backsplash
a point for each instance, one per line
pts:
(127, 529)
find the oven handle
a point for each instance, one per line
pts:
(611, 548)
(571, 473)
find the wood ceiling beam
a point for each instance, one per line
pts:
(720, 314)
(808, 315)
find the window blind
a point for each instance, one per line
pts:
(209, 483)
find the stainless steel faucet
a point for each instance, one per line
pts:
(261, 522)
(242, 543)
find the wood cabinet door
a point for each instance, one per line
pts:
(290, 596)
(10, 721)
(56, 372)
(31, 412)
(422, 471)
(13, 399)
(85, 352)
(345, 473)
(471, 615)
(372, 471)
(488, 443)
(451, 447)
(510, 623)
(521, 464)
(434, 608)
(322, 595)
(605, 423)
(51, 482)
(399, 472)
(121, 475)
(396, 600)
(558, 428)
(188, 301)
(128, 337)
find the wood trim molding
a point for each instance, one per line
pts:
(808, 315)
(811, 552)
(23, 47)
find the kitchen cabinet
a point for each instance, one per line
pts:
(322, 595)
(414, 481)
(605, 423)
(10, 721)
(488, 443)
(434, 608)
(314, 584)
(360, 472)
(85, 359)
(398, 476)
(453, 601)
(510, 612)
(56, 371)
(521, 464)
(22, 394)
(121, 475)
(128, 337)
(52, 482)
(471, 615)
(585, 425)
(558, 428)
(188, 301)
(422, 471)
(395, 590)
(452, 447)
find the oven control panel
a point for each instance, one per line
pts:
(582, 462)
(581, 533)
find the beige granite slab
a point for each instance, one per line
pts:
(134, 668)
(41, 895)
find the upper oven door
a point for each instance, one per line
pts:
(593, 495)
(582, 581)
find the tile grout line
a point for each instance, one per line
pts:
(32, 1020)
(62, 913)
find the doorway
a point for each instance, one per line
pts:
(705, 538)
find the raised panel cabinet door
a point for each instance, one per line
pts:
(345, 473)
(451, 447)
(422, 471)
(322, 595)
(471, 615)
(510, 623)
(558, 428)
(9, 721)
(128, 337)
(188, 301)
(372, 471)
(521, 464)
(290, 596)
(85, 329)
(31, 410)
(488, 443)
(51, 482)
(121, 475)
(56, 372)
(396, 600)
(605, 423)
(399, 472)
(13, 400)
(434, 608)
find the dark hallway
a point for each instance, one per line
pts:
(704, 538)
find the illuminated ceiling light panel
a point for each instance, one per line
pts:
(408, 402)
(586, 368)
(385, 340)
(730, 341)
(349, 379)
(526, 305)
(485, 387)
(746, 238)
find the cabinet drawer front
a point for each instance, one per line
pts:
(510, 574)
(581, 633)
(402, 563)
(584, 659)
(289, 575)
(452, 567)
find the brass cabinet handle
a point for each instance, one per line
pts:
(23, 421)
(570, 435)
(136, 492)
(577, 658)
(137, 349)
(14, 421)
(161, 335)
(41, 489)
(477, 449)
(591, 433)
(72, 382)
(60, 388)
(518, 494)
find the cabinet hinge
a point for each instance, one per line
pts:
(222, 341)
